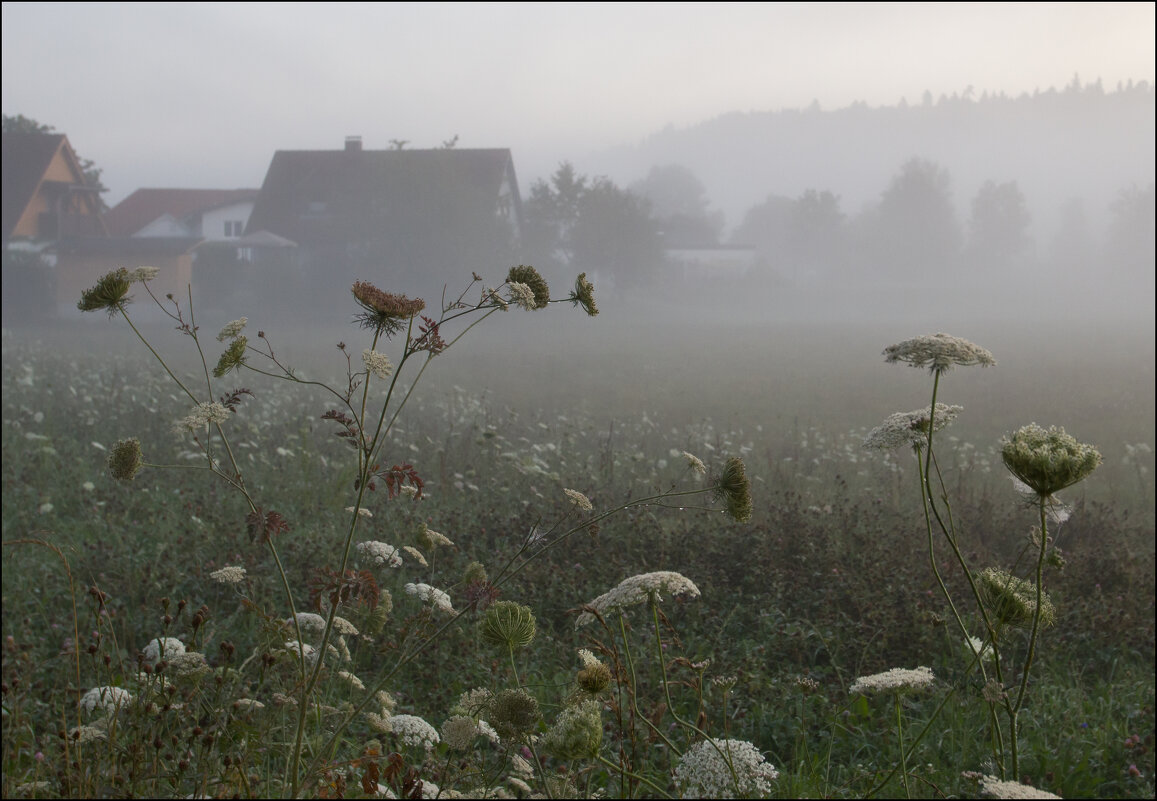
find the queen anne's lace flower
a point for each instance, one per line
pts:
(938, 352)
(309, 622)
(232, 329)
(380, 554)
(910, 428)
(414, 731)
(703, 772)
(638, 589)
(163, 648)
(431, 595)
(894, 680)
(105, 699)
(376, 363)
(521, 295)
(695, 463)
(202, 415)
(230, 574)
(1048, 460)
(992, 787)
(579, 500)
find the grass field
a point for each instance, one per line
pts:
(828, 581)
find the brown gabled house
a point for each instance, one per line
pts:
(46, 196)
(409, 220)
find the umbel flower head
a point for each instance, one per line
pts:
(577, 733)
(938, 352)
(124, 460)
(514, 713)
(384, 312)
(910, 428)
(894, 680)
(704, 772)
(638, 589)
(111, 292)
(232, 358)
(1012, 600)
(1048, 460)
(583, 295)
(734, 490)
(527, 275)
(509, 624)
(992, 787)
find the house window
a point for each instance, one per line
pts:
(233, 228)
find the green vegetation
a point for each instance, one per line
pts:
(613, 575)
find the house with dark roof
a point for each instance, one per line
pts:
(46, 195)
(210, 214)
(410, 221)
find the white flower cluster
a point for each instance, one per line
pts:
(909, 428)
(106, 699)
(895, 679)
(308, 621)
(414, 731)
(163, 648)
(695, 463)
(230, 574)
(232, 329)
(431, 595)
(202, 415)
(578, 499)
(377, 363)
(992, 787)
(638, 589)
(521, 295)
(142, 274)
(938, 352)
(380, 554)
(703, 772)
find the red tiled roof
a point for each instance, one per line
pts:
(145, 205)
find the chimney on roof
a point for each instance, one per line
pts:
(353, 144)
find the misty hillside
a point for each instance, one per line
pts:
(1079, 142)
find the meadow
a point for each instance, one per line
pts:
(475, 656)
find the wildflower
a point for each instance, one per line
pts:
(734, 489)
(430, 539)
(508, 623)
(993, 692)
(584, 295)
(910, 428)
(414, 731)
(308, 621)
(703, 772)
(189, 663)
(88, 486)
(514, 713)
(351, 679)
(232, 329)
(993, 787)
(110, 293)
(521, 295)
(938, 352)
(695, 463)
(344, 627)
(894, 680)
(473, 703)
(106, 699)
(87, 734)
(594, 677)
(162, 648)
(577, 733)
(379, 554)
(379, 723)
(978, 647)
(46, 508)
(362, 511)
(530, 278)
(416, 555)
(578, 499)
(638, 589)
(1012, 600)
(232, 358)
(124, 461)
(247, 705)
(143, 274)
(230, 574)
(1048, 460)
(459, 732)
(377, 364)
(384, 312)
(431, 595)
(202, 415)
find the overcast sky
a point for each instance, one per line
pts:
(201, 95)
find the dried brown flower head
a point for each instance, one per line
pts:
(525, 274)
(384, 312)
